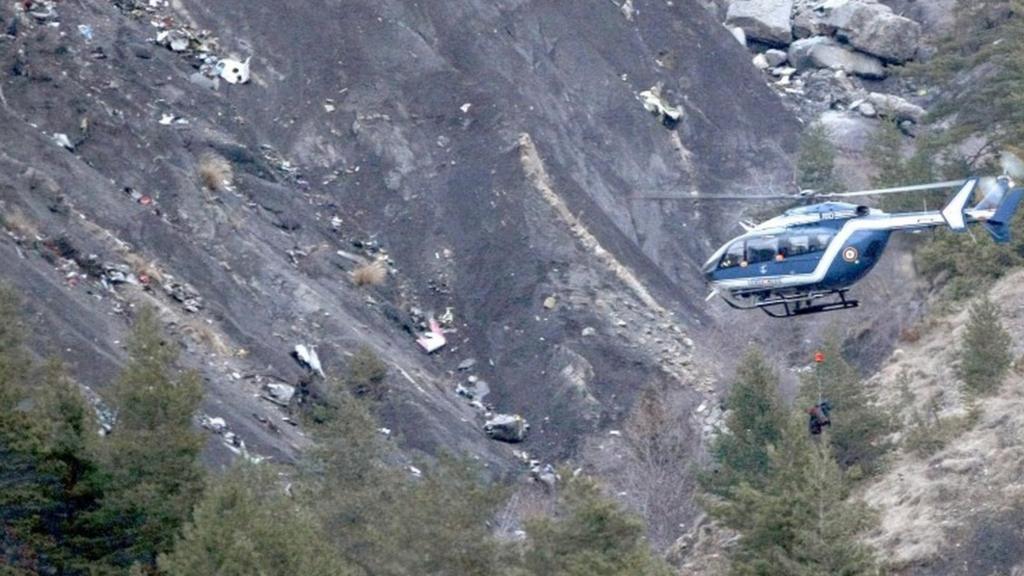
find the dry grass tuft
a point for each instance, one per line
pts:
(20, 225)
(215, 172)
(206, 336)
(372, 274)
(142, 267)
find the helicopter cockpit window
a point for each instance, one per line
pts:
(733, 256)
(762, 249)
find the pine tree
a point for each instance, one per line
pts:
(755, 422)
(893, 169)
(383, 520)
(592, 536)
(985, 355)
(14, 361)
(443, 521)
(816, 162)
(827, 542)
(45, 463)
(152, 454)
(859, 427)
(800, 522)
(246, 524)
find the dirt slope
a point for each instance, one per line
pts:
(960, 510)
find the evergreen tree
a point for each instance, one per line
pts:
(800, 522)
(45, 462)
(383, 520)
(245, 524)
(985, 355)
(816, 163)
(152, 455)
(893, 169)
(755, 422)
(859, 427)
(443, 521)
(592, 536)
(14, 361)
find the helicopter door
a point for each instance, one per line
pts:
(762, 251)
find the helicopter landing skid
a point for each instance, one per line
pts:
(800, 305)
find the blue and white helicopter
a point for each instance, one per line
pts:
(806, 260)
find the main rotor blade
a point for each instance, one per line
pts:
(723, 197)
(895, 190)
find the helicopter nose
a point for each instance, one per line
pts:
(708, 270)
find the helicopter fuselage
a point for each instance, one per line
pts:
(805, 260)
(808, 253)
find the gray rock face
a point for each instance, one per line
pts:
(873, 28)
(764, 20)
(821, 52)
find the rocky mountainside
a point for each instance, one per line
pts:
(488, 154)
(330, 176)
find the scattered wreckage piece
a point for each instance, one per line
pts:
(234, 71)
(307, 357)
(656, 104)
(544, 474)
(186, 294)
(510, 428)
(280, 394)
(434, 339)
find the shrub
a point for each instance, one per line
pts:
(366, 373)
(372, 274)
(215, 172)
(20, 225)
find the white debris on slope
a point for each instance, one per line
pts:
(307, 356)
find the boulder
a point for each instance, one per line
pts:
(776, 58)
(821, 52)
(807, 19)
(851, 132)
(897, 108)
(873, 28)
(761, 62)
(763, 20)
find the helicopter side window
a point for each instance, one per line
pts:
(762, 249)
(818, 241)
(733, 256)
(797, 245)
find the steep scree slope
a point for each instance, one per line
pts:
(455, 135)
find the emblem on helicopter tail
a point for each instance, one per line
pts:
(850, 254)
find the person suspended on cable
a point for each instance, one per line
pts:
(819, 417)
